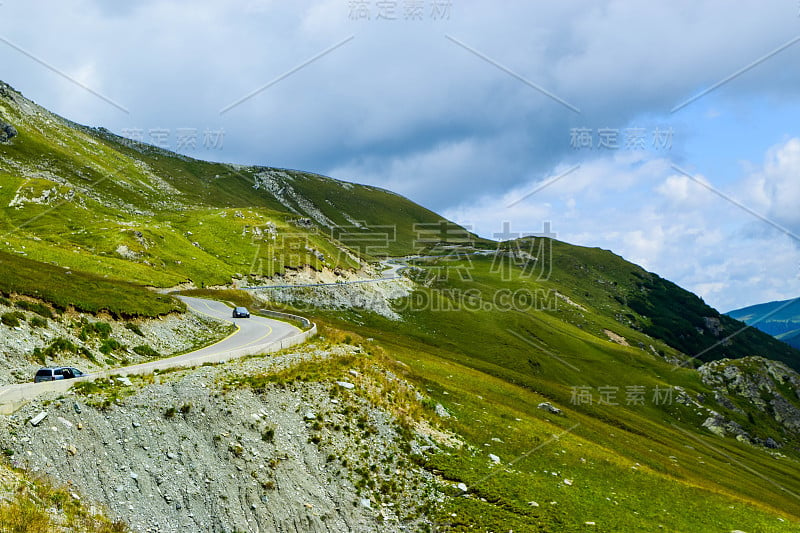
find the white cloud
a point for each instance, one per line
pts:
(684, 233)
(683, 192)
(777, 185)
(403, 107)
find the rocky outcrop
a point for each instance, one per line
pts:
(7, 132)
(713, 325)
(769, 386)
(550, 408)
(278, 184)
(719, 425)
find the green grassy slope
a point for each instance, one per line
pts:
(629, 439)
(86, 199)
(632, 465)
(85, 292)
(650, 304)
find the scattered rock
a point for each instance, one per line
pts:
(345, 385)
(533, 504)
(441, 411)
(462, 487)
(36, 420)
(547, 406)
(495, 459)
(568, 482)
(72, 450)
(721, 426)
(236, 448)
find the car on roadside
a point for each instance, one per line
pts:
(241, 312)
(53, 373)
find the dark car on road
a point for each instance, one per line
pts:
(241, 312)
(52, 373)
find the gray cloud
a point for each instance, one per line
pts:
(400, 105)
(400, 93)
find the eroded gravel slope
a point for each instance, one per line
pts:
(177, 453)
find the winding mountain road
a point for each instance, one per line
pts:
(251, 332)
(253, 335)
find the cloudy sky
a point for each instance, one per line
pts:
(667, 132)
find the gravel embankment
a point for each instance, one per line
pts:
(176, 453)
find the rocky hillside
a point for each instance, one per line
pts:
(758, 394)
(256, 445)
(32, 504)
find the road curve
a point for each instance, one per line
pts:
(250, 332)
(253, 335)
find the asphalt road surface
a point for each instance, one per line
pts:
(250, 333)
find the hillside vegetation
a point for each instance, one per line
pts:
(586, 429)
(88, 200)
(90, 293)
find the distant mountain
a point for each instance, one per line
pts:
(781, 319)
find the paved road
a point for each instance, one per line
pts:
(252, 335)
(253, 331)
